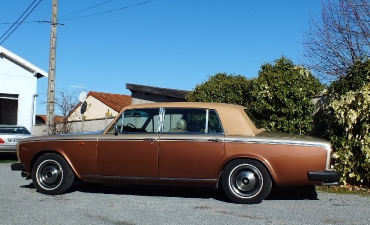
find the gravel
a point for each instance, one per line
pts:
(96, 204)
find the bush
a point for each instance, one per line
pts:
(351, 139)
(221, 88)
(281, 97)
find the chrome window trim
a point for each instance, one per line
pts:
(206, 128)
(161, 119)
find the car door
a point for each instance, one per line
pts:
(133, 150)
(193, 150)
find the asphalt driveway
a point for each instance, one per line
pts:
(96, 204)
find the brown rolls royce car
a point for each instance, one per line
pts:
(183, 144)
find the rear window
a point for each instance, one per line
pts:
(256, 123)
(14, 130)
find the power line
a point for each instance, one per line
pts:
(20, 22)
(109, 11)
(17, 19)
(94, 14)
(86, 8)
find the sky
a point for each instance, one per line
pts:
(178, 44)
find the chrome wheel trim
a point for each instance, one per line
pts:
(245, 181)
(49, 174)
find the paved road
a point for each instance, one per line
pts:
(86, 204)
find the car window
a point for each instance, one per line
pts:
(256, 123)
(138, 121)
(214, 123)
(190, 120)
(14, 130)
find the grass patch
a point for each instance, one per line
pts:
(346, 189)
(8, 161)
(8, 157)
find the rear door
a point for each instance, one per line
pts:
(194, 152)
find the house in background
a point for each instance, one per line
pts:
(100, 108)
(99, 105)
(18, 89)
(147, 94)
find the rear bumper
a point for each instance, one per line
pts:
(8, 148)
(327, 177)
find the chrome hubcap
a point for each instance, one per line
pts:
(246, 180)
(49, 174)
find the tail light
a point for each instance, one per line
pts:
(1, 141)
(333, 157)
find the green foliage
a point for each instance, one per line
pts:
(221, 88)
(281, 97)
(357, 76)
(344, 120)
(351, 139)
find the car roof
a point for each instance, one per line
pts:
(205, 105)
(238, 124)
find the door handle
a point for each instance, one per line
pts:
(149, 139)
(214, 140)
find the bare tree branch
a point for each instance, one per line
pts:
(338, 39)
(65, 102)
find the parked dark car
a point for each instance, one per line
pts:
(193, 144)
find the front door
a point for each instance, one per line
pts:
(133, 150)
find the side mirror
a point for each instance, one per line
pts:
(116, 130)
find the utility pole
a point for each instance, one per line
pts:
(52, 66)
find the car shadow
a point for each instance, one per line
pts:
(5, 156)
(293, 193)
(285, 193)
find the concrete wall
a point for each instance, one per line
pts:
(95, 109)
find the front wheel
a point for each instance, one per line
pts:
(246, 181)
(52, 175)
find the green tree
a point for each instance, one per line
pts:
(357, 76)
(281, 97)
(221, 88)
(344, 120)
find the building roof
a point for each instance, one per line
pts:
(114, 101)
(42, 118)
(23, 63)
(156, 90)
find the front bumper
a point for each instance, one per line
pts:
(327, 177)
(20, 167)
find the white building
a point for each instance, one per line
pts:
(18, 84)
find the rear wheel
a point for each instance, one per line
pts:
(52, 175)
(246, 181)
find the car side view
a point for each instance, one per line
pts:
(181, 144)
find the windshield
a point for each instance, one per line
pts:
(256, 123)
